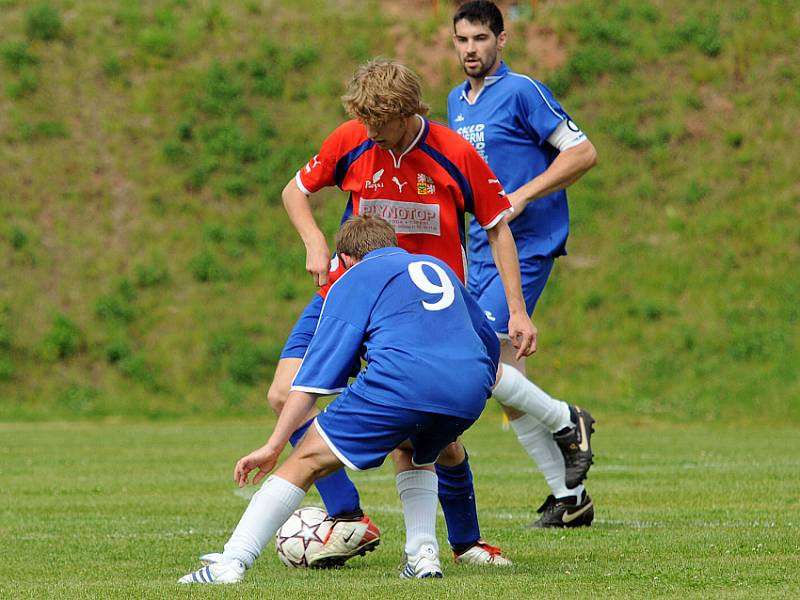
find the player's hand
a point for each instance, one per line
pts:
(318, 263)
(263, 459)
(523, 334)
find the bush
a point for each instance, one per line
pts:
(117, 350)
(17, 238)
(112, 67)
(7, 370)
(42, 22)
(42, 130)
(63, 340)
(205, 267)
(136, 368)
(25, 85)
(114, 307)
(152, 275)
(302, 57)
(17, 55)
(158, 42)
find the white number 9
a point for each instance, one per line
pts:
(443, 287)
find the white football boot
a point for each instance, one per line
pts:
(224, 571)
(422, 565)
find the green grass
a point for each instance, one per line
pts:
(120, 510)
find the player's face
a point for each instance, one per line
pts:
(391, 135)
(478, 48)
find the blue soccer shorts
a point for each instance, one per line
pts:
(486, 287)
(303, 330)
(362, 433)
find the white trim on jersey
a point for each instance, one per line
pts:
(397, 159)
(564, 138)
(541, 93)
(487, 81)
(333, 448)
(300, 185)
(314, 390)
(496, 220)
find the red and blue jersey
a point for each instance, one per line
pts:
(423, 192)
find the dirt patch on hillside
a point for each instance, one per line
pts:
(432, 54)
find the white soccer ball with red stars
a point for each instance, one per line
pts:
(302, 535)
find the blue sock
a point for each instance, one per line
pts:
(338, 493)
(457, 497)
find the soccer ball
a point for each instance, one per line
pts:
(302, 535)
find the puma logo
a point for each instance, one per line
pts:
(398, 184)
(568, 517)
(313, 163)
(493, 181)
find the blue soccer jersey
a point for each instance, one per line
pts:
(508, 124)
(427, 343)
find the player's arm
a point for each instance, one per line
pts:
(504, 251)
(294, 414)
(576, 156)
(318, 256)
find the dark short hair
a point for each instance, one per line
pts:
(483, 12)
(362, 234)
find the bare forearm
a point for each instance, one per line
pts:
(569, 166)
(504, 252)
(298, 208)
(293, 415)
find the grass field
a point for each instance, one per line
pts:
(121, 510)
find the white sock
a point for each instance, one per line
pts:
(542, 448)
(418, 493)
(268, 510)
(517, 391)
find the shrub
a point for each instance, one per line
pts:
(303, 56)
(25, 85)
(152, 275)
(17, 237)
(205, 267)
(42, 130)
(112, 67)
(158, 41)
(7, 370)
(174, 152)
(63, 340)
(79, 399)
(235, 185)
(117, 350)
(42, 22)
(136, 368)
(17, 55)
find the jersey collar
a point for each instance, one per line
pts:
(421, 135)
(501, 72)
(383, 252)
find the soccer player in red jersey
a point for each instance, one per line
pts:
(423, 178)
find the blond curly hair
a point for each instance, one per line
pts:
(382, 90)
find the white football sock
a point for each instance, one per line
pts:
(540, 446)
(268, 510)
(418, 493)
(517, 391)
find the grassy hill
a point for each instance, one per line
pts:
(147, 266)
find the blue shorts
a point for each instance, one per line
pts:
(303, 330)
(362, 433)
(486, 287)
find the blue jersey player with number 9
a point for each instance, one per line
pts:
(431, 361)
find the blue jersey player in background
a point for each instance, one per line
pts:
(536, 151)
(431, 361)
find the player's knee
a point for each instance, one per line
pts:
(453, 455)
(276, 396)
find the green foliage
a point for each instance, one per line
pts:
(42, 130)
(79, 400)
(17, 237)
(113, 67)
(205, 267)
(158, 41)
(151, 275)
(138, 369)
(303, 56)
(42, 22)
(117, 307)
(65, 339)
(26, 83)
(17, 55)
(117, 350)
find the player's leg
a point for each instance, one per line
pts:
(457, 497)
(417, 487)
(270, 506)
(545, 427)
(338, 492)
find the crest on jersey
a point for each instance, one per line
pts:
(425, 185)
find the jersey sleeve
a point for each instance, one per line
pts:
(337, 341)
(489, 200)
(539, 110)
(320, 171)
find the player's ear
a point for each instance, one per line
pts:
(347, 260)
(501, 40)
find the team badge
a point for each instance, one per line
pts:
(425, 185)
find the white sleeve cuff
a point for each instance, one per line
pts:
(497, 219)
(300, 185)
(566, 136)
